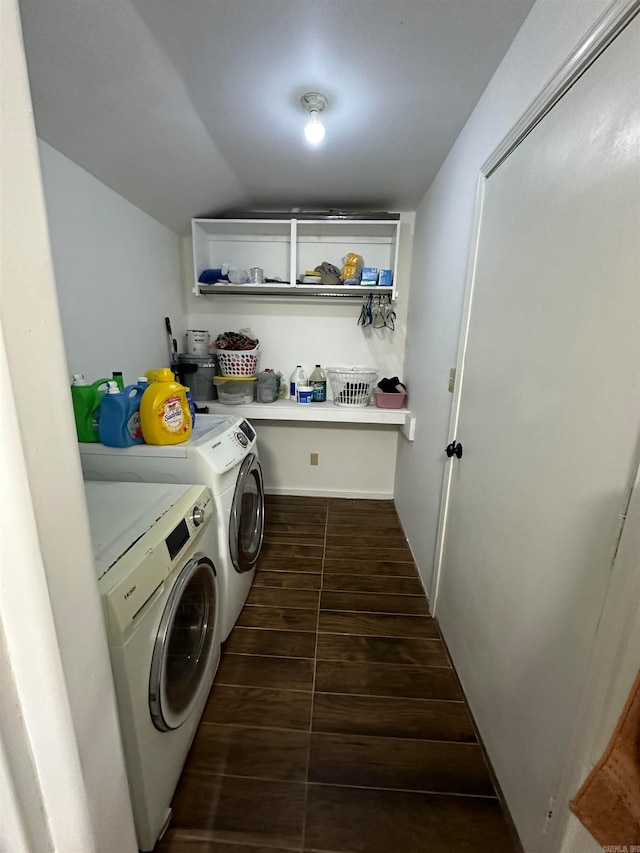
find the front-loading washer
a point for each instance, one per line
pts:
(221, 454)
(153, 550)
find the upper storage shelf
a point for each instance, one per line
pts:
(286, 248)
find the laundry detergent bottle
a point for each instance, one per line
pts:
(86, 404)
(164, 410)
(120, 416)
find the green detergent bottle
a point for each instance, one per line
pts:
(86, 404)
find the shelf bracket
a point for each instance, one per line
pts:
(409, 427)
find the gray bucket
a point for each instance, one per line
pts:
(197, 372)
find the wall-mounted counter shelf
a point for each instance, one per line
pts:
(328, 413)
(286, 248)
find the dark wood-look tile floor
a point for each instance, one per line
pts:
(336, 722)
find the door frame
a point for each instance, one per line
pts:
(611, 23)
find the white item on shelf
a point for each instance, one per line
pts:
(197, 341)
(352, 386)
(235, 390)
(298, 377)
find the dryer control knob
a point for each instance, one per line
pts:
(197, 516)
(242, 439)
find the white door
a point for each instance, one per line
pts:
(548, 422)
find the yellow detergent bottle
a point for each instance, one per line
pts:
(164, 411)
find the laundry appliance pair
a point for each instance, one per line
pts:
(222, 455)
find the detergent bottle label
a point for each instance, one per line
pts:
(133, 425)
(171, 415)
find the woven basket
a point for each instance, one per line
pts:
(238, 362)
(352, 386)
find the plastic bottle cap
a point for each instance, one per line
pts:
(142, 380)
(112, 388)
(164, 375)
(78, 379)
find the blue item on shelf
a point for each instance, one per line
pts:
(211, 276)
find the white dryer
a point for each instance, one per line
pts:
(222, 455)
(153, 548)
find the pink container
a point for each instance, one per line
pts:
(389, 400)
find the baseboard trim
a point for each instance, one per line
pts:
(319, 493)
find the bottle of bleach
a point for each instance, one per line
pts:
(86, 403)
(120, 416)
(164, 410)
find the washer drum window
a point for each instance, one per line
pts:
(246, 526)
(183, 650)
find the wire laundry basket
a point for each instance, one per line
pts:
(352, 386)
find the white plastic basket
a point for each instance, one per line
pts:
(238, 362)
(352, 386)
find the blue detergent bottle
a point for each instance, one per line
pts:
(120, 416)
(192, 406)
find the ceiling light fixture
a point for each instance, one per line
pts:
(314, 103)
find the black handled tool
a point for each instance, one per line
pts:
(173, 345)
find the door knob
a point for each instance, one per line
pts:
(454, 449)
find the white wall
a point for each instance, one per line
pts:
(443, 229)
(117, 273)
(61, 762)
(353, 461)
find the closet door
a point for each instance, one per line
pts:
(548, 422)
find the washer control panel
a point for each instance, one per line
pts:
(150, 559)
(226, 446)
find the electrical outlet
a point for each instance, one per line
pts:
(313, 459)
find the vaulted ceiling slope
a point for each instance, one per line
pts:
(190, 107)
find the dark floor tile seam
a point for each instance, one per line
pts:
(203, 836)
(347, 634)
(303, 831)
(366, 612)
(369, 592)
(383, 696)
(280, 657)
(266, 687)
(282, 605)
(277, 628)
(372, 558)
(243, 726)
(403, 740)
(405, 790)
(368, 662)
(362, 575)
(203, 774)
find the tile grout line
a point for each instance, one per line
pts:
(313, 684)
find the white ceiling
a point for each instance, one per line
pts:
(190, 107)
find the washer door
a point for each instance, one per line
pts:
(246, 524)
(184, 646)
